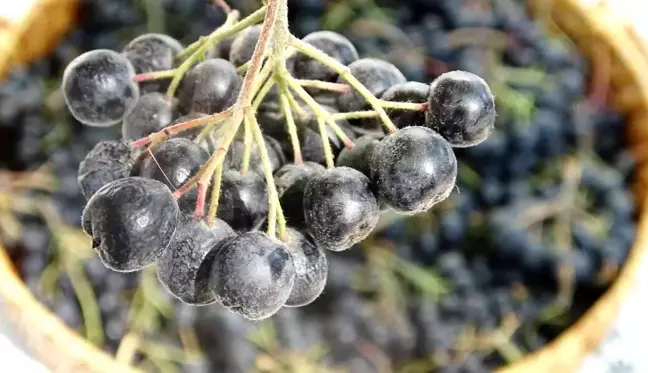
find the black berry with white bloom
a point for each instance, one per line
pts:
(243, 45)
(311, 269)
(131, 222)
(461, 108)
(173, 162)
(150, 53)
(340, 208)
(359, 156)
(253, 275)
(334, 45)
(414, 92)
(291, 181)
(243, 200)
(209, 87)
(413, 169)
(376, 75)
(185, 267)
(151, 114)
(98, 87)
(106, 162)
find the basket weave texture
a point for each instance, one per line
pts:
(593, 27)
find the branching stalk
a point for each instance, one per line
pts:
(215, 197)
(290, 124)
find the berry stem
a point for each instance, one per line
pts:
(354, 115)
(228, 28)
(294, 104)
(318, 110)
(87, 302)
(281, 220)
(215, 197)
(143, 77)
(263, 78)
(273, 197)
(404, 105)
(345, 74)
(263, 92)
(290, 124)
(128, 348)
(327, 86)
(157, 137)
(328, 153)
(247, 142)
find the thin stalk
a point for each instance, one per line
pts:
(273, 197)
(326, 86)
(319, 112)
(88, 304)
(294, 104)
(247, 151)
(216, 191)
(263, 92)
(128, 348)
(328, 153)
(290, 124)
(158, 137)
(143, 77)
(355, 115)
(345, 73)
(228, 28)
(403, 105)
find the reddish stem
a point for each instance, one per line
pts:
(200, 201)
(177, 128)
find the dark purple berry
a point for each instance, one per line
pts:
(131, 222)
(359, 156)
(184, 268)
(222, 48)
(98, 87)
(243, 45)
(376, 75)
(291, 181)
(151, 114)
(243, 202)
(152, 52)
(173, 162)
(407, 92)
(340, 208)
(106, 162)
(311, 269)
(413, 169)
(333, 44)
(253, 275)
(461, 108)
(210, 87)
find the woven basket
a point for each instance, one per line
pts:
(593, 27)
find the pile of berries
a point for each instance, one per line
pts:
(139, 209)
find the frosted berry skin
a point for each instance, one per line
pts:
(243, 202)
(151, 114)
(98, 87)
(413, 169)
(106, 162)
(376, 75)
(131, 222)
(209, 87)
(152, 52)
(291, 181)
(359, 156)
(173, 162)
(311, 269)
(242, 47)
(253, 275)
(185, 267)
(334, 45)
(340, 208)
(414, 92)
(461, 108)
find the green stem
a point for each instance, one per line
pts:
(273, 197)
(328, 153)
(326, 86)
(290, 123)
(354, 115)
(317, 109)
(413, 106)
(87, 302)
(345, 74)
(263, 92)
(216, 191)
(247, 142)
(228, 28)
